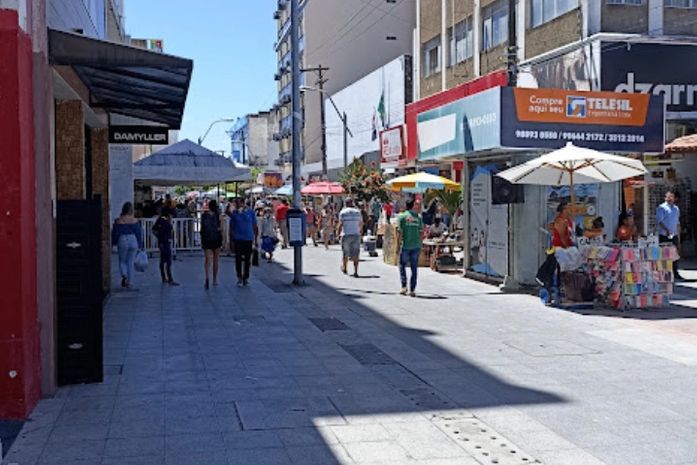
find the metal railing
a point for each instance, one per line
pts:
(186, 234)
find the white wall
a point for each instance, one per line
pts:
(120, 177)
(360, 101)
(350, 38)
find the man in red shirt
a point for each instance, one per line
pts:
(281, 214)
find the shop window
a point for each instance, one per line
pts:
(494, 25)
(681, 3)
(431, 56)
(461, 45)
(543, 11)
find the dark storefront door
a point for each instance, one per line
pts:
(79, 290)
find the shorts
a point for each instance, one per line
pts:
(351, 245)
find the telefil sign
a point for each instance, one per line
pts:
(517, 118)
(148, 135)
(610, 121)
(560, 106)
(666, 70)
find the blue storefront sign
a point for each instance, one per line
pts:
(470, 124)
(508, 118)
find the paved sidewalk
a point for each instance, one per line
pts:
(346, 371)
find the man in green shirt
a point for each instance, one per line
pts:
(410, 229)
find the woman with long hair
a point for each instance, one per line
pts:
(211, 240)
(127, 236)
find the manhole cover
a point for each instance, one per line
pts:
(537, 348)
(329, 324)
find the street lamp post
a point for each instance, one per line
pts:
(342, 117)
(296, 126)
(222, 120)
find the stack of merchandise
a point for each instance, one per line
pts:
(632, 277)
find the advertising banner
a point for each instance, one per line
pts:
(549, 118)
(466, 125)
(666, 70)
(391, 145)
(488, 227)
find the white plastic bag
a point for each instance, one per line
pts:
(141, 261)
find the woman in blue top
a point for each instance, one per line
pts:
(127, 236)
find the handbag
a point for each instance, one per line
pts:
(141, 261)
(255, 257)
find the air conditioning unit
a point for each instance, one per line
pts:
(274, 108)
(286, 133)
(282, 4)
(277, 77)
(276, 136)
(285, 99)
(276, 15)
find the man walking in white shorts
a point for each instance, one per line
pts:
(351, 223)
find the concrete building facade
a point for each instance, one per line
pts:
(351, 39)
(55, 186)
(252, 139)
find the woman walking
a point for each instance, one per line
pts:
(269, 234)
(211, 240)
(127, 236)
(327, 225)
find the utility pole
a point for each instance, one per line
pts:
(344, 120)
(296, 126)
(323, 119)
(512, 62)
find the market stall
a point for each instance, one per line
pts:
(619, 274)
(440, 253)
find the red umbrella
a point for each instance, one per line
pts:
(323, 188)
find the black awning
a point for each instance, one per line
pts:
(126, 80)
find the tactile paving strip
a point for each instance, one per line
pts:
(483, 443)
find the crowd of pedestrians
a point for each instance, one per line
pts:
(252, 228)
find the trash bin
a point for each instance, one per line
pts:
(370, 244)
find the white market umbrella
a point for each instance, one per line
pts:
(574, 165)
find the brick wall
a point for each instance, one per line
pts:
(493, 59)
(680, 22)
(70, 150)
(99, 138)
(553, 34)
(625, 18)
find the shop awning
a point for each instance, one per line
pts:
(126, 80)
(683, 144)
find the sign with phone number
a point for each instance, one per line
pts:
(533, 133)
(580, 136)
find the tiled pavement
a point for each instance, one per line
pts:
(345, 371)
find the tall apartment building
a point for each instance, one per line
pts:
(352, 39)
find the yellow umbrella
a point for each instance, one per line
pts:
(421, 182)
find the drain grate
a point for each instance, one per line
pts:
(426, 399)
(329, 324)
(483, 443)
(368, 354)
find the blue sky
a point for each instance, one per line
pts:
(231, 43)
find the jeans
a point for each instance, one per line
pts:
(410, 256)
(243, 253)
(127, 247)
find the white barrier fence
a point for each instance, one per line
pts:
(186, 234)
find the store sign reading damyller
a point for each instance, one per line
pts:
(149, 135)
